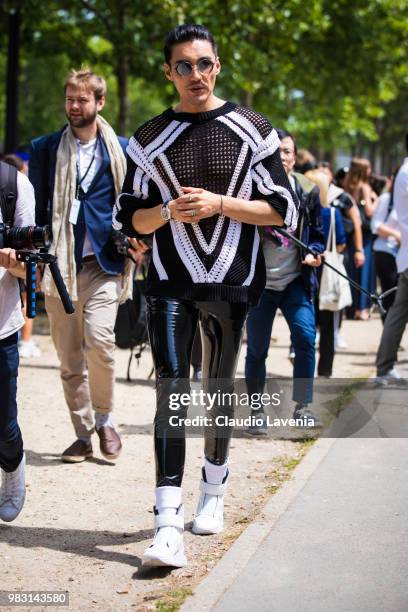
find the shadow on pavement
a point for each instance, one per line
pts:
(144, 382)
(76, 541)
(41, 459)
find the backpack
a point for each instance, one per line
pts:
(8, 192)
(130, 326)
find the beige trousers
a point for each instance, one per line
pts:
(85, 345)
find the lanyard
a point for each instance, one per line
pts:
(79, 181)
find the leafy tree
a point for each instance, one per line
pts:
(335, 72)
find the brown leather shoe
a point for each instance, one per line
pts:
(109, 442)
(77, 452)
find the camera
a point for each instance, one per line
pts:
(27, 242)
(25, 238)
(121, 242)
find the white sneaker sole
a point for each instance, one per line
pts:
(178, 560)
(197, 530)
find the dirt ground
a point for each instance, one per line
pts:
(84, 527)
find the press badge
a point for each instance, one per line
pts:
(73, 215)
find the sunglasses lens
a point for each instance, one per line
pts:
(205, 66)
(183, 68)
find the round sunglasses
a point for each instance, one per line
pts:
(185, 68)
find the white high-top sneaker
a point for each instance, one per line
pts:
(210, 509)
(12, 492)
(167, 548)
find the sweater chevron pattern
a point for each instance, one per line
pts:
(232, 151)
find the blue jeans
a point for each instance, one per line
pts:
(365, 275)
(300, 316)
(11, 442)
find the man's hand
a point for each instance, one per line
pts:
(311, 260)
(138, 250)
(194, 205)
(8, 260)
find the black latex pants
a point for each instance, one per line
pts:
(172, 324)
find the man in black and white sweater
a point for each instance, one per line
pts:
(201, 177)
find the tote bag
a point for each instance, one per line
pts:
(335, 293)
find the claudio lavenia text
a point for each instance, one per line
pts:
(250, 421)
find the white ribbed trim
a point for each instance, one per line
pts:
(247, 125)
(246, 187)
(267, 147)
(171, 138)
(137, 181)
(116, 208)
(145, 187)
(238, 168)
(227, 253)
(268, 187)
(157, 261)
(187, 254)
(140, 184)
(235, 128)
(161, 138)
(170, 173)
(136, 153)
(209, 248)
(255, 248)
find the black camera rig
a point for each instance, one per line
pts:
(27, 242)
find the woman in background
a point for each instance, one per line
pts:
(328, 320)
(357, 185)
(384, 224)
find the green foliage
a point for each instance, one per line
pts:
(335, 72)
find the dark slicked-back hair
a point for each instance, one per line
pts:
(187, 33)
(284, 134)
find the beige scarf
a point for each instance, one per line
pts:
(63, 244)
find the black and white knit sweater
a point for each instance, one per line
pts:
(232, 151)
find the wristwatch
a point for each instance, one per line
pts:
(165, 211)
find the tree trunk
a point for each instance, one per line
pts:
(122, 78)
(122, 74)
(246, 98)
(11, 127)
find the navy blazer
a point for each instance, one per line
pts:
(96, 205)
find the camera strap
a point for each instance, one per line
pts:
(8, 192)
(80, 180)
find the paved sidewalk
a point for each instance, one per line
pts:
(335, 537)
(342, 545)
(84, 527)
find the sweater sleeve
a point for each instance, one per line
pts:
(138, 191)
(270, 181)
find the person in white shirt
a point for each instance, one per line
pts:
(12, 461)
(397, 316)
(384, 224)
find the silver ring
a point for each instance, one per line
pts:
(193, 213)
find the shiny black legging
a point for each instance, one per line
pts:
(172, 324)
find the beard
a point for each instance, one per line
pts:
(83, 120)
